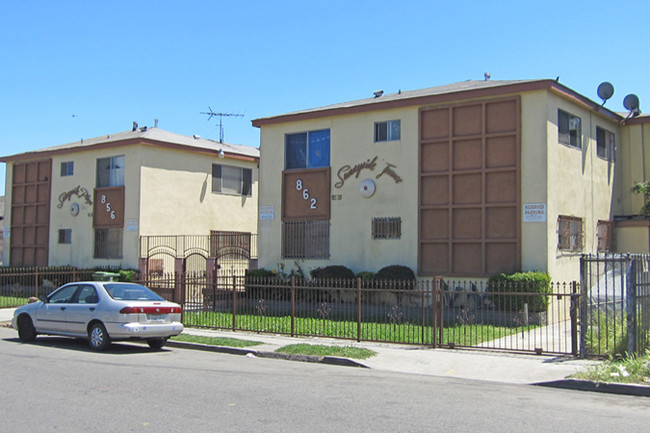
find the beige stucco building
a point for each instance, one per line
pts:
(89, 203)
(465, 180)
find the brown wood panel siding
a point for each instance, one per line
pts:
(30, 213)
(306, 194)
(469, 188)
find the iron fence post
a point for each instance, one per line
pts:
(573, 312)
(293, 306)
(358, 309)
(234, 302)
(630, 306)
(36, 281)
(583, 312)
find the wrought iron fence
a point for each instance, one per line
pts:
(17, 285)
(436, 313)
(615, 304)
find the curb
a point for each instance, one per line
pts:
(610, 388)
(330, 360)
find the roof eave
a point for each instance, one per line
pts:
(442, 98)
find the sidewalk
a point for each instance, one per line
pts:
(465, 364)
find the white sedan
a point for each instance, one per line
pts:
(101, 311)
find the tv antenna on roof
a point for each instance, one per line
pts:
(221, 116)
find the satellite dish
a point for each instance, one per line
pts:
(605, 90)
(631, 102)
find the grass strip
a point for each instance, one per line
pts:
(215, 341)
(631, 370)
(321, 350)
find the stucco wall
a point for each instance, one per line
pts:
(167, 192)
(177, 198)
(351, 143)
(569, 181)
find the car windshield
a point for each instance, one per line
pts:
(131, 292)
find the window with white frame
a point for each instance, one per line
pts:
(307, 149)
(108, 243)
(67, 168)
(65, 236)
(605, 144)
(387, 131)
(569, 129)
(227, 179)
(570, 234)
(110, 171)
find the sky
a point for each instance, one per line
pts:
(81, 69)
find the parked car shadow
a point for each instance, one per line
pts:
(81, 345)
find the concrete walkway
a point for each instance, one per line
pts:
(466, 364)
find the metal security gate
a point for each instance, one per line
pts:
(615, 304)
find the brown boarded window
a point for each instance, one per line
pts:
(570, 234)
(156, 266)
(387, 228)
(306, 239)
(604, 233)
(108, 243)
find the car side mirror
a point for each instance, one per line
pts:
(43, 299)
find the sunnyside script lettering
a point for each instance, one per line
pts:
(79, 191)
(348, 171)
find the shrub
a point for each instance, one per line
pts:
(128, 275)
(337, 272)
(395, 273)
(366, 275)
(521, 282)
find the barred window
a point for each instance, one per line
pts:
(108, 243)
(605, 144)
(156, 266)
(306, 239)
(569, 233)
(65, 236)
(604, 233)
(387, 228)
(230, 244)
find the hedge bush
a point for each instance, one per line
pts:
(337, 272)
(521, 282)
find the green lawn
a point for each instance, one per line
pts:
(320, 350)
(216, 341)
(12, 301)
(459, 334)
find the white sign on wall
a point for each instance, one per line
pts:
(267, 213)
(132, 225)
(534, 212)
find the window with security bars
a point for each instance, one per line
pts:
(230, 244)
(604, 233)
(605, 144)
(306, 239)
(387, 228)
(65, 236)
(108, 243)
(569, 129)
(570, 233)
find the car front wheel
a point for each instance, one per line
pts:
(98, 337)
(26, 331)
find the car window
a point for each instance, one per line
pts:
(87, 295)
(63, 295)
(131, 292)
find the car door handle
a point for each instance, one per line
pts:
(91, 308)
(62, 308)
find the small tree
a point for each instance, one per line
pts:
(643, 188)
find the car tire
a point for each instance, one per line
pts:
(26, 330)
(157, 343)
(98, 337)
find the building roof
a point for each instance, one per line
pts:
(152, 136)
(434, 95)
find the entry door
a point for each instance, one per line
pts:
(80, 311)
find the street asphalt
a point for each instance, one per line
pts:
(542, 370)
